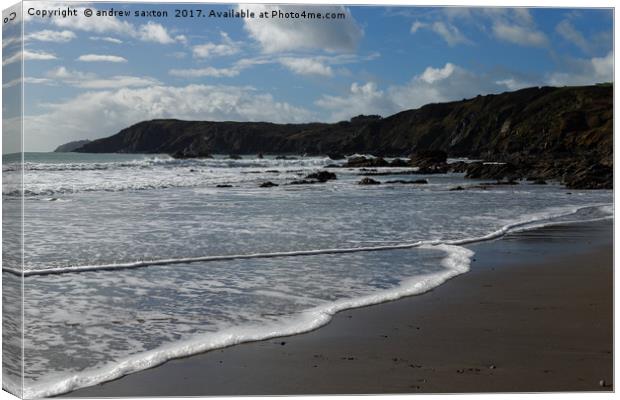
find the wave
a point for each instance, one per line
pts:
(457, 261)
(173, 162)
(53, 179)
(529, 223)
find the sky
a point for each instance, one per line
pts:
(87, 78)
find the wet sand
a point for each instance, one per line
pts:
(535, 313)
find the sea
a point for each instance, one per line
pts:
(131, 260)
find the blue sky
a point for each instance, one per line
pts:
(87, 78)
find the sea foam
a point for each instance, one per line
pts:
(456, 262)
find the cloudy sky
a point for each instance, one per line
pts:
(87, 78)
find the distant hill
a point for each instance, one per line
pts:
(559, 125)
(531, 121)
(71, 146)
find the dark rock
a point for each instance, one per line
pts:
(593, 176)
(457, 188)
(481, 170)
(285, 158)
(433, 169)
(322, 176)
(268, 184)
(368, 181)
(398, 162)
(540, 182)
(304, 182)
(404, 182)
(189, 153)
(224, 186)
(386, 173)
(332, 166)
(260, 156)
(336, 156)
(430, 161)
(365, 118)
(234, 157)
(459, 166)
(428, 157)
(359, 162)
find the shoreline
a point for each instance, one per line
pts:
(451, 339)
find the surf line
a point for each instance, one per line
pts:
(456, 242)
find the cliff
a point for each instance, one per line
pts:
(71, 146)
(566, 124)
(531, 121)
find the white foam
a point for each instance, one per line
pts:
(529, 223)
(456, 262)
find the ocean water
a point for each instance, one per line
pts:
(131, 260)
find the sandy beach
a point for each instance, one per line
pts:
(535, 313)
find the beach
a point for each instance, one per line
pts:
(534, 314)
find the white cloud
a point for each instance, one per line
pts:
(36, 80)
(106, 39)
(12, 83)
(317, 65)
(417, 25)
(286, 34)
(452, 82)
(51, 36)
(118, 81)
(29, 55)
(515, 25)
(101, 58)
(102, 25)
(514, 83)
(206, 72)
(89, 80)
(38, 55)
(448, 32)
(214, 72)
(360, 99)
(111, 110)
(67, 75)
(306, 66)
(149, 32)
(572, 35)
(431, 74)
(227, 47)
(153, 32)
(436, 85)
(11, 40)
(585, 71)
(433, 85)
(11, 59)
(521, 35)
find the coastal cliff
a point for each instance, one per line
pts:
(71, 146)
(544, 131)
